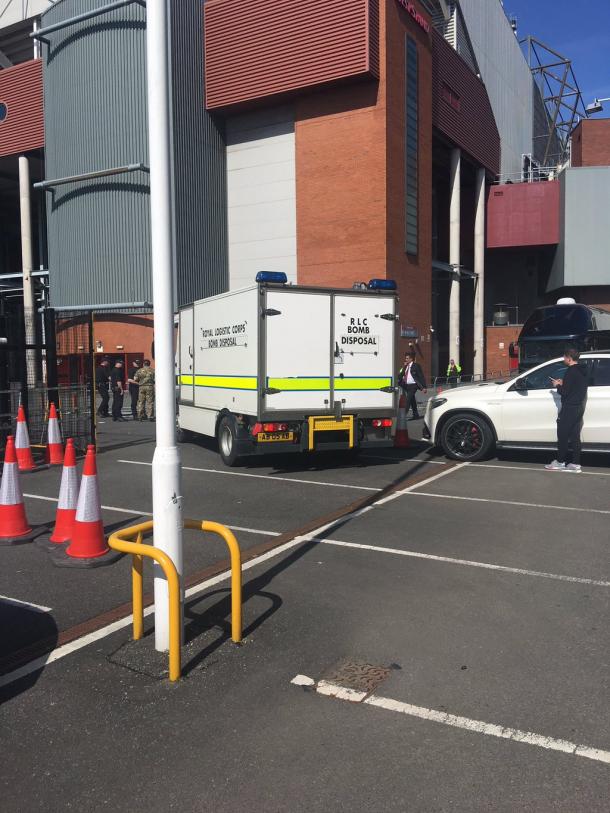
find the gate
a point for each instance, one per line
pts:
(31, 374)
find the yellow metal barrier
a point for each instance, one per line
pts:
(120, 540)
(229, 538)
(123, 541)
(326, 423)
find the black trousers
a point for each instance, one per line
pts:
(133, 394)
(411, 392)
(117, 403)
(103, 407)
(569, 426)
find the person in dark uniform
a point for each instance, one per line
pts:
(116, 385)
(102, 376)
(573, 390)
(411, 378)
(134, 387)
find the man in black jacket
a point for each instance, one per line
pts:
(411, 379)
(102, 376)
(118, 391)
(573, 390)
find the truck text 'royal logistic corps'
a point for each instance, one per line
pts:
(283, 368)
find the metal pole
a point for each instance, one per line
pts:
(29, 312)
(479, 270)
(454, 255)
(92, 387)
(166, 467)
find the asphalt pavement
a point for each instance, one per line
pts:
(446, 626)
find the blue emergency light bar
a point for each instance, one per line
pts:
(272, 276)
(382, 285)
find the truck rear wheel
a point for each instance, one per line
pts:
(182, 435)
(227, 440)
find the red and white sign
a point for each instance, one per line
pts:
(419, 18)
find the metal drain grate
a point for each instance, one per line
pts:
(357, 675)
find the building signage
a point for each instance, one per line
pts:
(419, 18)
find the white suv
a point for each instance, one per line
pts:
(468, 422)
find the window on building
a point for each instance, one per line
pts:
(451, 97)
(3, 111)
(411, 147)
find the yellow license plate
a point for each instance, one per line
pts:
(266, 437)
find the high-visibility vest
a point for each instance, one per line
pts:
(450, 369)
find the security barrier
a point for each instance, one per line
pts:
(229, 538)
(120, 541)
(123, 541)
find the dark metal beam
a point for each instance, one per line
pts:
(41, 33)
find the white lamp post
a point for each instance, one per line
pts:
(166, 467)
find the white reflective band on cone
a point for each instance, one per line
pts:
(22, 439)
(54, 431)
(68, 491)
(10, 488)
(88, 508)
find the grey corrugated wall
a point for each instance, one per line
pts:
(95, 118)
(199, 165)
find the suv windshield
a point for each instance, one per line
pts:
(558, 320)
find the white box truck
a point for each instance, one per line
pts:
(283, 368)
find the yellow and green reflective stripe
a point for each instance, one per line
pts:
(297, 384)
(313, 384)
(222, 382)
(362, 383)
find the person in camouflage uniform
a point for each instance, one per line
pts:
(145, 377)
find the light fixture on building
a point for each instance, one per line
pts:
(99, 347)
(81, 347)
(596, 106)
(501, 316)
(120, 346)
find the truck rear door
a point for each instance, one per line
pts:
(297, 351)
(364, 342)
(186, 354)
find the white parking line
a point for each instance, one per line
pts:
(539, 469)
(455, 721)
(149, 514)
(506, 502)
(466, 562)
(425, 482)
(18, 603)
(261, 476)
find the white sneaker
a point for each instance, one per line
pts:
(555, 466)
(575, 468)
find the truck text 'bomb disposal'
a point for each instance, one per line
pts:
(359, 333)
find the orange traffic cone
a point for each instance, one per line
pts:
(14, 527)
(22, 443)
(87, 538)
(55, 448)
(401, 439)
(68, 497)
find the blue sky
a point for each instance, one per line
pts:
(579, 30)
